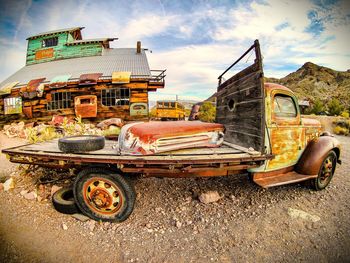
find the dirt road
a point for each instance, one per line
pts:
(169, 224)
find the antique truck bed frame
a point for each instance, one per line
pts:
(274, 145)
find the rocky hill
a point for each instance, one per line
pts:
(313, 82)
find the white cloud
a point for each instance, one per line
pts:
(281, 27)
(145, 26)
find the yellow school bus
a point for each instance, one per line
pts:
(170, 110)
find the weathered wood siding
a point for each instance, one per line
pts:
(138, 93)
(61, 51)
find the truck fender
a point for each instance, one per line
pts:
(314, 154)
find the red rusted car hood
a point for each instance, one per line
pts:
(155, 137)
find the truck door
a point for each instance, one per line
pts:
(285, 130)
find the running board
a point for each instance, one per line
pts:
(282, 179)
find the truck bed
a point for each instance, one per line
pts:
(225, 157)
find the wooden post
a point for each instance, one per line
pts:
(138, 47)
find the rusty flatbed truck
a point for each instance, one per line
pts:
(265, 136)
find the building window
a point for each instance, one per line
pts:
(13, 105)
(50, 42)
(60, 100)
(115, 97)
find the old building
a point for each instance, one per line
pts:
(67, 75)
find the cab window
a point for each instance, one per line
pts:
(284, 106)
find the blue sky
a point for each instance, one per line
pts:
(194, 40)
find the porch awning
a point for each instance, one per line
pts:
(59, 81)
(6, 89)
(89, 79)
(120, 77)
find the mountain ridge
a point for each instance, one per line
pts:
(313, 82)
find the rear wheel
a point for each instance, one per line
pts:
(103, 195)
(326, 171)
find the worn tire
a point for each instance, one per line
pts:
(104, 195)
(81, 143)
(63, 201)
(322, 181)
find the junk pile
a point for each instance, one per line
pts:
(15, 130)
(61, 126)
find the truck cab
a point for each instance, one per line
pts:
(288, 131)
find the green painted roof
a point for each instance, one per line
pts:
(92, 40)
(72, 29)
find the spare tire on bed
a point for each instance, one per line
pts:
(81, 143)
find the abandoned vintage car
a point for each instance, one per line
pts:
(70, 76)
(265, 137)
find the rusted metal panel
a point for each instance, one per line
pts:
(6, 89)
(13, 105)
(194, 172)
(241, 104)
(44, 53)
(59, 81)
(314, 154)
(121, 77)
(155, 137)
(86, 106)
(194, 115)
(31, 90)
(28, 112)
(89, 79)
(282, 179)
(33, 84)
(139, 109)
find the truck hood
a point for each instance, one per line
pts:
(311, 122)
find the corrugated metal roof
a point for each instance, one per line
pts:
(56, 31)
(118, 59)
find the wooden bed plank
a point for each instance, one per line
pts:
(52, 146)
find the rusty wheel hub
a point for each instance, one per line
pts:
(327, 169)
(102, 196)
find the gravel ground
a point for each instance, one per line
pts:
(169, 224)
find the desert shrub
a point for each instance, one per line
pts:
(44, 132)
(334, 107)
(153, 112)
(207, 112)
(318, 107)
(342, 123)
(345, 114)
(341, 130)
(41, 133)
(112, 130)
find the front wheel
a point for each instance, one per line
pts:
(103, 195)
(326, 172)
